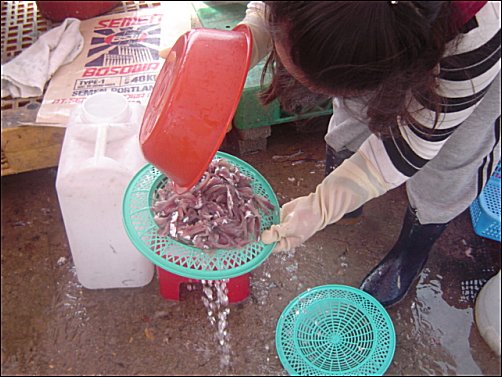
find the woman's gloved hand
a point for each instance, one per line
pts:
(164, 52)
(348, 187)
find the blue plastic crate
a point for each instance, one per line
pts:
(485, 210)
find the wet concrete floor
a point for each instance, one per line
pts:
(51, 325)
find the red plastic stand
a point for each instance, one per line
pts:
(238, 287)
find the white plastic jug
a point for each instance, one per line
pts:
(99, 157)
(487, 313)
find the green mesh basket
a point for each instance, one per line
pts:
(182, 259)
(335, 330)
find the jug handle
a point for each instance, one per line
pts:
(100, 147)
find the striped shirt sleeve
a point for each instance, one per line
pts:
(465, 74)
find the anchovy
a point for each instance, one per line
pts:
(220, 212)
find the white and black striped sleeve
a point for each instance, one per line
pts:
(464, 77)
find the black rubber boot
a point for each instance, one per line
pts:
(333, 160)
(391, 279)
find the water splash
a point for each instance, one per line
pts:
(71, 299)
(215, 299)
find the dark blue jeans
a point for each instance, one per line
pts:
(335, 159)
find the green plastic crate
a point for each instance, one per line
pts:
(250, 112)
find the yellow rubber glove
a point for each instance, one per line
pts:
(348, 187)
(165, 52)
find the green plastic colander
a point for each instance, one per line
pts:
(185, 260)
(335, 330)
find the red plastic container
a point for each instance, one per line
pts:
(238, 287)
(60, 10)
(194, 100)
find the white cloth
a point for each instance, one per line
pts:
(26, 75)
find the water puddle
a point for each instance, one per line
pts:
(443, 329)
(215, 299)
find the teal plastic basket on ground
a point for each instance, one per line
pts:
(485, 210)
(182, 259)
(335, 330)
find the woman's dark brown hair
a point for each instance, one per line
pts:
(380, 50)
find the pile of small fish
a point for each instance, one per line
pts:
(220, 212)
